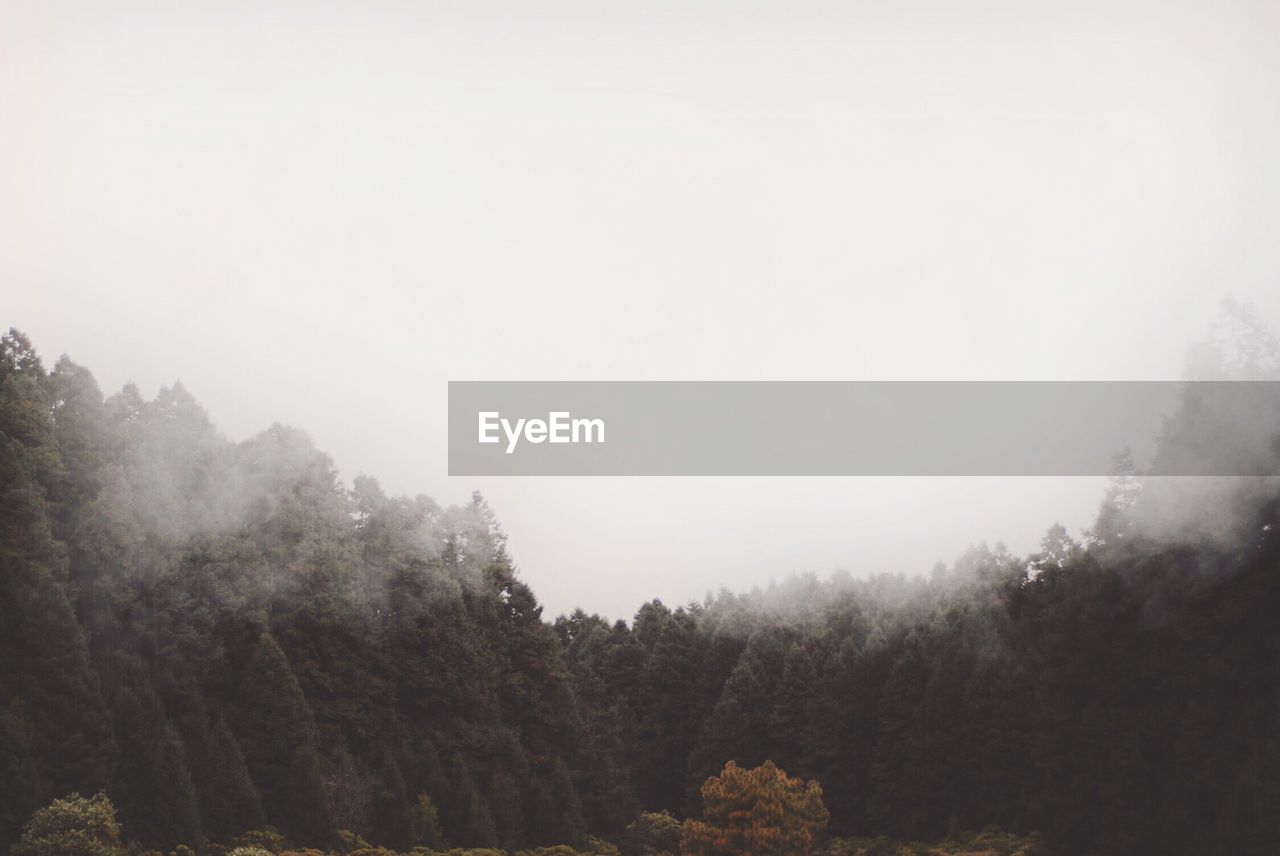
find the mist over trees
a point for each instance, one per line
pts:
(223, 637)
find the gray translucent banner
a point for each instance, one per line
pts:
(714, 428)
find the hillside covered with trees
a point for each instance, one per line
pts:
(225, 638)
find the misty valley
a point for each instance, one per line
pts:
(211, 648)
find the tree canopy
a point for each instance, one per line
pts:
(224, 637)
(762, 812)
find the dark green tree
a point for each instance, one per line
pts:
(390, 819)
(157, 799)
(469, 822)
(792, 726)
(278, 736)
(229, 800)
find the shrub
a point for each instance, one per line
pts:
(349, 841)
(600, 847)
(654, 832)
(986, 843)
(73, 826)
(268, 839)
(250, 851)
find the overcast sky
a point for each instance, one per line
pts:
(320, 213)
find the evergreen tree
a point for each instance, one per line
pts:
(1115, 517)
(277, 733)
(48, 684)
(391, 824)
(229, 800)
(506, 805)
(739, 725)
(761, 812)
(1119, 695)
(19, 789)
(890, 776)
(469, 822)
(425, 821)
(791, 723)
(157, 798)
(555, 815)
(348, 793)
(669, 716)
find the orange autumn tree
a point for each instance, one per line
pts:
(761, 812)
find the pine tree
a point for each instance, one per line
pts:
(739, 726)
(348, 793)
(47, 679)
(669, 715)
(278, 736)
(1115, 516)
(537, 699)
(48, 676)
(83, 437)
(791, 725)
(425, 772)
(890, 773)
(506, 805)
(469, 822)
(759, 812)
(19, 791)
(1057, 550)
(425, 822)
(229, 800)
(555, 815)
(390, 822)
(158, 801)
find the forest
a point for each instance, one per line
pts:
(235, 649)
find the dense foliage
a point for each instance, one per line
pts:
(224, 637)
(762, 811)
(87, 827)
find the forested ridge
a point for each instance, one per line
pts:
(224, 637)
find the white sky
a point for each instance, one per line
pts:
(320, 213)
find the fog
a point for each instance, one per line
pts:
(319, 214)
